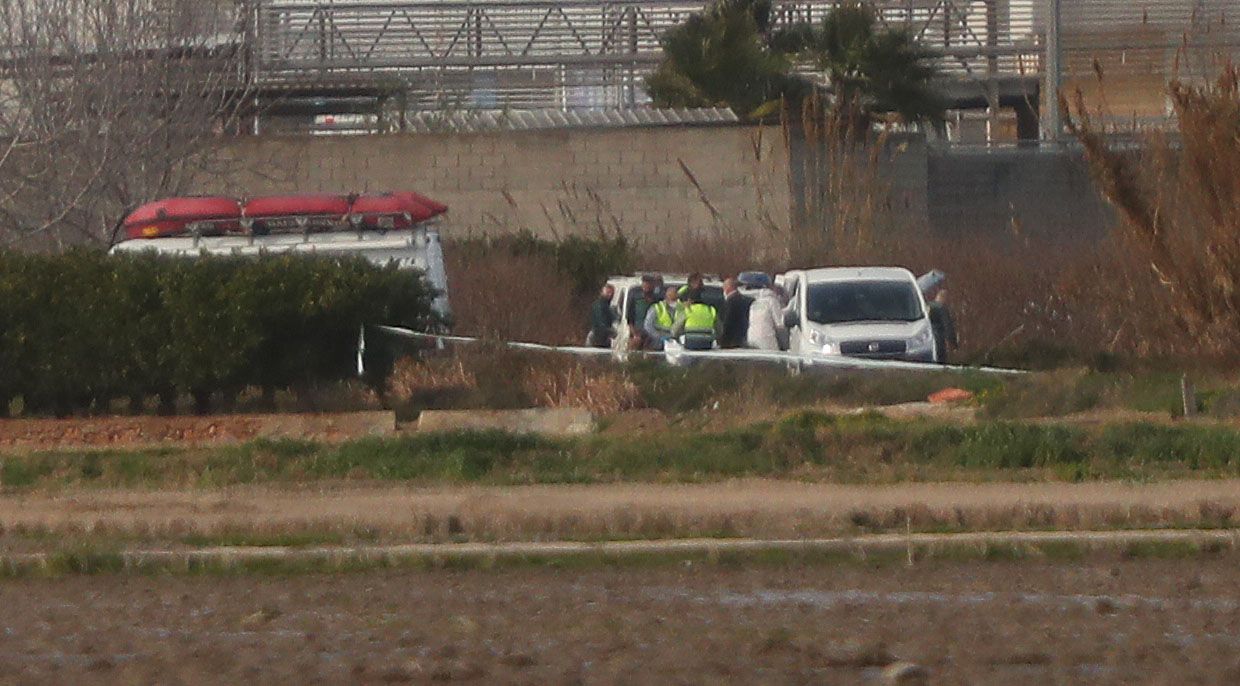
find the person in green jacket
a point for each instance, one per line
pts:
(652, 290)
(697, 324)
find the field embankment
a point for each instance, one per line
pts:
(364, 516)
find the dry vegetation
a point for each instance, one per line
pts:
(108, 103)
(495, 377)
(1180, 205)
(757, 509)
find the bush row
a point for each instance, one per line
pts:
(81, 329)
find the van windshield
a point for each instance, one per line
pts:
(863, 301)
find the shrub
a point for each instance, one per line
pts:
(81, 329)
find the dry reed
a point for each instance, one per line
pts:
(1179, 201)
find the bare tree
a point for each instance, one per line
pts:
(108, 103)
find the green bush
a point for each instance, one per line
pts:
(81, 329)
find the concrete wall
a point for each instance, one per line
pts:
(645, 181)
(1023, 194)
(639, 181)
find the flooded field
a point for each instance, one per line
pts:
(1109, 621)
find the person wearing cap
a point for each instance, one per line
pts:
(766, 316)
(697, 324)
(660, 318)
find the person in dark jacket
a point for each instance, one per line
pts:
(652, 290)
(602, 319)
(735, 316)
(944, 326)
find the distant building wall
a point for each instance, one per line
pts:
(640, 181)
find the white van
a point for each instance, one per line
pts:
(869, 312)
(416, 248)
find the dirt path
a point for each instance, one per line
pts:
(750, 508)
(1008, 622)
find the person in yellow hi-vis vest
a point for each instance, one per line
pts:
(660, 317)
(697, 324)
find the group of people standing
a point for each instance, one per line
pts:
(751, 319)
(661, 313)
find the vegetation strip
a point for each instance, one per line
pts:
(807, 445)
(913, 547)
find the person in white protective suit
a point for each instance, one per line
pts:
(766, 319)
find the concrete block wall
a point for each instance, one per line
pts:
(639, 181)
(1022, 194)
(678, 181)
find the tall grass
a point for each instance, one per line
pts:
(1179, 200)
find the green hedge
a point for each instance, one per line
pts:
(80, 329)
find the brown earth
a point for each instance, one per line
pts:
(750, 508)
(1108, 621)
(139, 431)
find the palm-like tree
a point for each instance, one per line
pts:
(728, 56)
(719, 58)
(873, 72)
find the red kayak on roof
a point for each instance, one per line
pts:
(437, 208)
(210, 215)
(394, 210)
(173, 216)
(309, 205)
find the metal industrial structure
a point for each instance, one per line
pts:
(408, 63)
(419, 55)
(374, 58)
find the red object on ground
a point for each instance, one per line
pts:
(948, 396)
(309, 205)
(173, 216)
(402, 210)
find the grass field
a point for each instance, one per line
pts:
(805, 446)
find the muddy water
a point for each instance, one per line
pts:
(1104, 622)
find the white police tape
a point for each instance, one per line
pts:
(677, 355)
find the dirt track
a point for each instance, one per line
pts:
(19, 435)
(751, 508)
(1106, 622)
